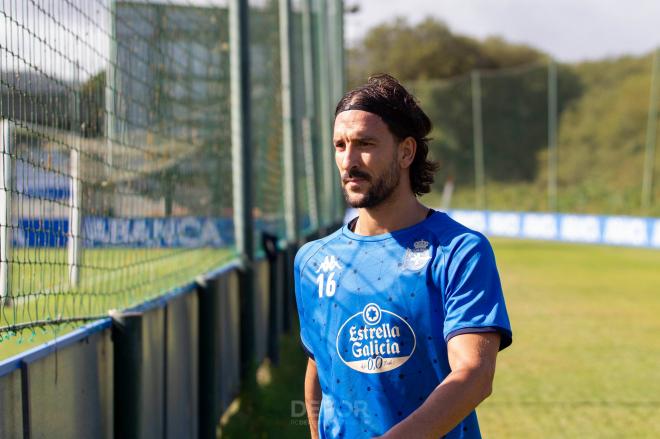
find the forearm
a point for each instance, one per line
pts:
(446, 406)
(312, 398)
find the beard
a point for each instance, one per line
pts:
(381, 187)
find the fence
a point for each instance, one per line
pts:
(166, 368)
(142, 142)
(161, 162)
(549, 137)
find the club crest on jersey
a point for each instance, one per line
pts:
(329, 263)
(375, 340)
(417, 257)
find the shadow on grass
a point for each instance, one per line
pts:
(273, 409)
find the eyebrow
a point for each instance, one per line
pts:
(358, 139)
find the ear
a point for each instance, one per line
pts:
(407, 150)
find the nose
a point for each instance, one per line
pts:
(348, 157)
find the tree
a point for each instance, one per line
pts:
(514, 102)
(430, 50)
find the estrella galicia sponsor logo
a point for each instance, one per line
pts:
(375, 340)
(417, 257)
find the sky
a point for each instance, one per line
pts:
(569, 30)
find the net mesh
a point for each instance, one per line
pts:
(266, 108)
(494, 133)
(116, 160)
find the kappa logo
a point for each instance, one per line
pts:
(416, 258)
(329, 263)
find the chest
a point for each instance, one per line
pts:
(353, 269)
(400, 280)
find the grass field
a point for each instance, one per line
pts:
(585, 361)
(109, 279)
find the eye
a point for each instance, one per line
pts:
(339, 145)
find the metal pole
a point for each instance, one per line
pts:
(477, 132)
(73, 241)
(331, 36)
(341, 60)
(552, 136)
(5, 212)
(324, 111)
(338, 76)
(290, 177)
(111, 86)
(310, 106)
(649, 155)
(241, 170)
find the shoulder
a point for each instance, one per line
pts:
(453, 236)
(308, 250)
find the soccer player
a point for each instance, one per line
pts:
(401, 311)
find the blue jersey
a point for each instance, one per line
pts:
(376, 313)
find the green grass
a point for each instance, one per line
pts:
(109, 279)
(585, 361)
(265, 411)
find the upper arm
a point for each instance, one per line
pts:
(311, 366)
(474, 352)
(311, 373)
(312, 386)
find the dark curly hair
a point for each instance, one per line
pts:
(384, 96)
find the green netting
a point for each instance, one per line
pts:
(116, 154)
(603, 121)
(116, 178)
(266, 107)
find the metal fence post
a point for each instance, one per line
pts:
(111, 86)
(337, 8)
(139, 369)
(279, 291)
(242, 170)
(341, 67)
(127, 345)
(309, 119)
(324, 111)
(552, 136)
(5, 212)
(290, 177)
(73, 241)
(649, 155)
(477, 130)
(337, 34)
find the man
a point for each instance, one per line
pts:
(401, 311)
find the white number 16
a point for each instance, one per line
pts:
(330, 285)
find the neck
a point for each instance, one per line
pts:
(395, 213)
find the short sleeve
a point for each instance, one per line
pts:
(305, 329)
(474, 301)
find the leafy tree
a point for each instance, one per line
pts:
(512, 100)
(430, 50)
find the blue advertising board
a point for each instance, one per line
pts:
(593, 229)
(128, 232)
